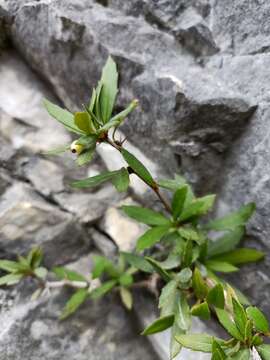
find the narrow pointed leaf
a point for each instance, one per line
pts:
(94, 180)
(159, 325)
(201, 310)
(220, 266)
(74, 303)
(151, 237)
(138, 167)
(196, 342)
(121, 180)
(126, 297)
(63, 116)
(226, 243)
(162, 272)
(228, 324)
(264, 351)
(259, 320)
(178, 201)
(233, 220)
(84, 122)
(216, 297)
(138, 262)
(145, 216)
(103, 289)
(240, 256)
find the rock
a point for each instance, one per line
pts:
(120, 228)
(100, 330)
(27, 220)
(103, 242)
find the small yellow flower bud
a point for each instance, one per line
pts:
(76, 148)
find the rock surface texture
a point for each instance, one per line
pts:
(200, 71)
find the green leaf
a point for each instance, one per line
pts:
(109, 90)
(63, 273)
(184, 275)
(145, 216)
(187, 253)
(74, 303)
(57, 151)
(259, 320)
(172, 261)
(138, 167)
(240, 256)
(97, 107)
(182, 313)
(85, 157)
(84, 123)
(103, 289)
(220, 266)
(196, 342)
(101, 265)
(178, 201)
(9, 266)
(226, 243)
(189, 234)
(92, 100)
(35, 257)
(138, 262)
(217, 352)
(242, 355)
(10, 279)
(41, 272)
(248, 330)
(199, 285)
(172, 184)
(198, 207)
(264, 351)
(121, 180)
(88, 141)
(228, 324)
(240, 317)
(216, 297)
(63, 116)
(94, 180)
(126, 279)
(126, 297)
(201, 310)
(151, 237)
(175, 347)
(233, 220)
(159, 325)
(162, 272)
(167, 298)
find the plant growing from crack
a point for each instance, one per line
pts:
(184, 265)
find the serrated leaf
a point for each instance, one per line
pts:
(184, 275)
(228, 324)
(121, 180)
(10, 279)
(151, 237)
(242, 355)
(240, 317)
(138, 167)
(94, 180)
(74, 303)
(216, 297)
(178, 201)
(167, 298)
(175, 347)
(259, 320)
(182, 313)
(226, 243)
(199, 285)
(103, 289)
(162, 272)
(83, 121)
(264, 351)
(85, 157)
(196, 342)
(138, 262)
(126, 297)
(232, 220)
(217, 352)
(41, 272)
(198, 207)
(240, 256)
(63, 116)
(63, 273)
(145, 216)
(9, 266)
(159, 325)
(109, 90)
(220, 266)
(201, 310)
